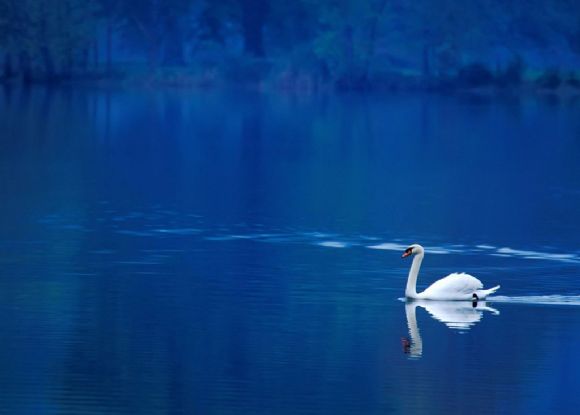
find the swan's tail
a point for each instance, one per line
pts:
(484, 293)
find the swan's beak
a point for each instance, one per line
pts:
(406, 254)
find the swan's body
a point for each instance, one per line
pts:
(453, 287)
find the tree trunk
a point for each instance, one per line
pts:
(254, 14)
(48, 62)
(373, 34)
(153, 55)
(109, 50)
(68, 64)
(173, 48)
(153, 42)
(84, 64)
(348, 51)
(8, 69)
(96, 54)
(426, 64)
(25, 67)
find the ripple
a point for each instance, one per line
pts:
(180, 231)
(162, 225)
(133, 233)
(439, 250)
(388, 246)
(573, 300)
(227, 237)
(538, 255)
(317, 234)
(333, 244)
(102, 251)
(138, 262)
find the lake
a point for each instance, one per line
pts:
(181, 252)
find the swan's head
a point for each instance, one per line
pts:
(413, 250)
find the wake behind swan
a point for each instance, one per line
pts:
(555, 299)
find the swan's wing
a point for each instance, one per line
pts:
(453, 287)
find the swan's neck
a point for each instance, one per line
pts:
(411, 290)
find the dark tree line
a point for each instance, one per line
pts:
(350, 42)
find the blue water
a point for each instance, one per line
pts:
(179, 252)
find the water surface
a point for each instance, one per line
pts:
(239, 253)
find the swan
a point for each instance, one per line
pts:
(454, 287)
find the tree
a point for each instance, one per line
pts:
(253, 19)
(159, 27)
(347, 35)
(110, 12)
(49, 37)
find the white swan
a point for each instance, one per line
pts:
(453, 287)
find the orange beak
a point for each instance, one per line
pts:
(405, 254)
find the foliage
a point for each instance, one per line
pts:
(573, 81)
(353, 44)
(347, 36)
(550, 79)
(513, 74)
(159, 28)
(475, 75)
(46, 34)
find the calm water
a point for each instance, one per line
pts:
(210, 253)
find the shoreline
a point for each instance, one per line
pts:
(202, 82)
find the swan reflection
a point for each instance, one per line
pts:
(457, 315)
